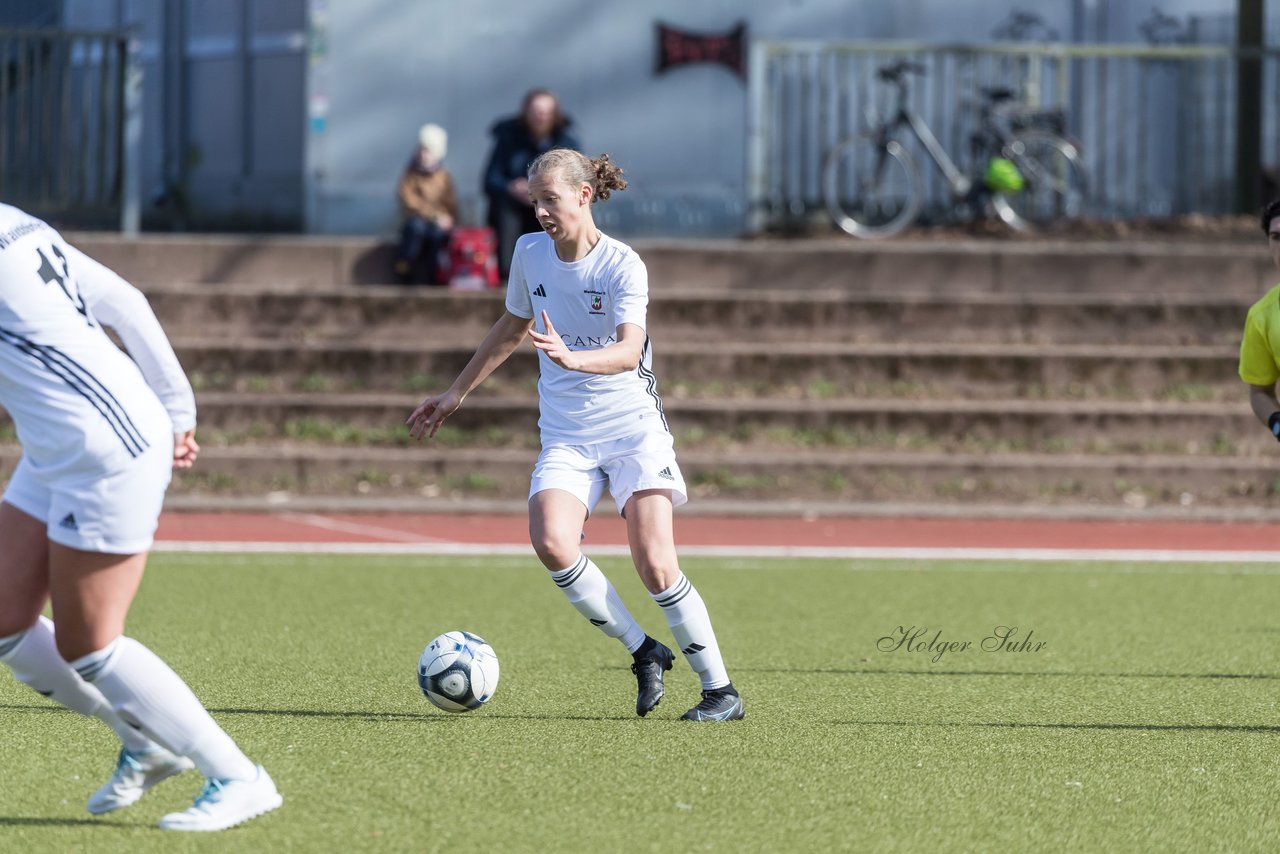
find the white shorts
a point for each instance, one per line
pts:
(626, 466)
(111, 514)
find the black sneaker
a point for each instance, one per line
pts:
(650, 660)
(718, 704)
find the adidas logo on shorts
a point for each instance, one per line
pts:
(69, 522)
(666, 472)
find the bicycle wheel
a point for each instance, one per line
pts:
(1053, 177)
(871, 189)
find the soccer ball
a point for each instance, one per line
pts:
(458, 671)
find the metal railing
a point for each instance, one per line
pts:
(70, 126)
(1156, 124)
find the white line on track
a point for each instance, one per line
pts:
(359, 529)
(419, 547)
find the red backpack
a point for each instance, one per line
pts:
(473, 260)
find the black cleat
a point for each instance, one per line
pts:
(718, 704)
(650, 661)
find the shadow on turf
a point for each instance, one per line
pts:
(836, 671)
(292, 713)
(1255, 728)
(316, 713)
(19, 821)
(430, 717)
(425, 717)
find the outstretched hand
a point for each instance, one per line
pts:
(553, 345)
(431, 413)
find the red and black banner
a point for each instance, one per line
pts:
(681, 47)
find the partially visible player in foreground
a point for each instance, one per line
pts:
(1260, 346)
(100, 434)
(582, 297)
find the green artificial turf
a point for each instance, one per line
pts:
(1147, 721)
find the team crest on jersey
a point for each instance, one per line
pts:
(595, 301)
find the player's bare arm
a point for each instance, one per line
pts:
(503, 338)
(623, 355)
(1262, 399)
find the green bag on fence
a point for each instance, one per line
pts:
(1002, 176)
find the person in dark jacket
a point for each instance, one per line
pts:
(540, 126)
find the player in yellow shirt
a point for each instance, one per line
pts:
(1260, 348)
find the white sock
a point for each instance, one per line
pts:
(691, 626)
(148, 695)
(594, 597)
(33, 657)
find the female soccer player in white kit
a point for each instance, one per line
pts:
(101, 433)
(582, 297)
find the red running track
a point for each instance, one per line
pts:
(511, 530)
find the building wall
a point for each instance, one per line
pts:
(29, 13)
(680, 136)
(301, 113)
(224, 85)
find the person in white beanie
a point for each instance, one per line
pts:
(429, 205)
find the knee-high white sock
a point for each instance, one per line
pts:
(148, 695)
(594, 597)
(33, 657)
(691, 626)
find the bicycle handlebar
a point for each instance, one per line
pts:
(893, 73)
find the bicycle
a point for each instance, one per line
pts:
(1031, 174)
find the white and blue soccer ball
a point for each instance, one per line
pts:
(458, 671)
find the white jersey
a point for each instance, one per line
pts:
(82, 407)
(587, 300)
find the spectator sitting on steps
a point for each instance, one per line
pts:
(429, 205)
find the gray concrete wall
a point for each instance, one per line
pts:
(390, 66)
(265, 120)
(224, 88)
(679, 135)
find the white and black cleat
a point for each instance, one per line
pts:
(649, 666)
(718, 704)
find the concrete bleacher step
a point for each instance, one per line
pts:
(918, 265)
(947, 423)
(936, 267)
(986, 370)
(382, 314)
(353, 474)
(1018, 373)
